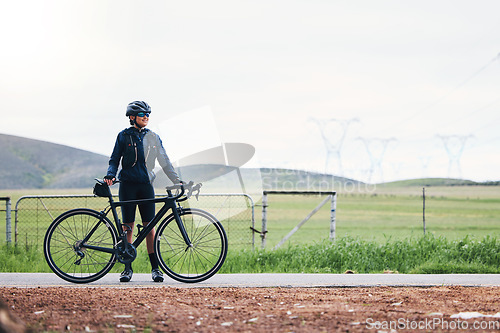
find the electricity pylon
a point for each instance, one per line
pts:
(334, 131)
(376, 148)
(454, 146)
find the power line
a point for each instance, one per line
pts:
(475, 111)
(438, 101)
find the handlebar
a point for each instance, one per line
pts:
(176, 187)
(190, 188)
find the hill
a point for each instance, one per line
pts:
(437, 182)
(28, 163)
(288, 179)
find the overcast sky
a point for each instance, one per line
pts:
(399, 79)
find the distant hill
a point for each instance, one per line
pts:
(27, 163)
(288, 179)
(279, 179)
(438, 182)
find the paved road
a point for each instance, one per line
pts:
(263, 280)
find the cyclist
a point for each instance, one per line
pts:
(138, 148)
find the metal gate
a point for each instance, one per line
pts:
(33, 214)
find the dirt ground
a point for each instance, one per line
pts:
(167, 309)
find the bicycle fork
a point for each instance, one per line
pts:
(182, 229)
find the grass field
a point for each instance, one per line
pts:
(388, 216)
(384, 213)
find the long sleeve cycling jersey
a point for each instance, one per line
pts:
(138, 150)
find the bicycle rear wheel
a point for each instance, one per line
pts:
(65, 252)
(194, 263)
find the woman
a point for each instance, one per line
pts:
(138, 148)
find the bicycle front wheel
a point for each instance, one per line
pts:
(203, 258)
(65, 240)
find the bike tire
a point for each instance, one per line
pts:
(196, 263)
(66, 231)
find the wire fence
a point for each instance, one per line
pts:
(331, 197)
(34, 214)
(297, 217)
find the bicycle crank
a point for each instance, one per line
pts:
(126, 255)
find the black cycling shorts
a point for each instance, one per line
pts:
(136, 191)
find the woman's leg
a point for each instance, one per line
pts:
(147, 211)
(129, 229)
(127, 191)
(147, 214)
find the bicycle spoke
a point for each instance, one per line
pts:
(202, 258)
(66, 254)
(63, 234)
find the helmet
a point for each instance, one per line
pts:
(137, 106)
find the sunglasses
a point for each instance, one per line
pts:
(142, 114)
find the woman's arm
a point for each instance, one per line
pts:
(165, 163)
(114, 160)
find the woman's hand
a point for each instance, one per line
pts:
(109, 180)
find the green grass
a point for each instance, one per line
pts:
(25, 259)
(414, 255)
(429, 255)
(22, 259)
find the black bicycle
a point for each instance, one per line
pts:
(82, 245)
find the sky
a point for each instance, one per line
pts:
(370, 90)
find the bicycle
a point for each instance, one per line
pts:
(82, 245)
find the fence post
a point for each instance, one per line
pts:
(8, 222)
(264, 219)
(333, 212)
(423, 207)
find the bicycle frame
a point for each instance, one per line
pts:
(169, 202)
